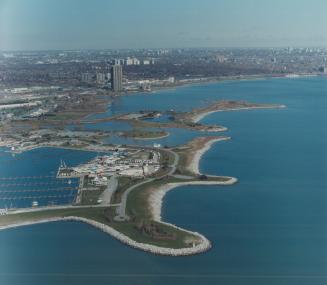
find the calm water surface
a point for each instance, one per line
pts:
(270, 228)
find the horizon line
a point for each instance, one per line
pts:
(159, 48)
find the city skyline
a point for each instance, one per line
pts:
(70, 25)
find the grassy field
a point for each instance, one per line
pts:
(123, 184)
(144, 134)
(141, 226)
(105, 215)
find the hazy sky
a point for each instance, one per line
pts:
(89, 24)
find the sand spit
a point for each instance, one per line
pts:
(157, 196)
(198, 117)
(194, 164)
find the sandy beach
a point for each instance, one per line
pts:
(198, 117)
(157, 196)
(195, 161)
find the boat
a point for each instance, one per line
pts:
(35, 203)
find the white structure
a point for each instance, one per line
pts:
(101, 78)
(87, 77)
(171, 80)
(3, 212)
(132, 61)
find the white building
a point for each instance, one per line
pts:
(101, 78)
(132, 61)
(171, 79)
(87, 77)
(3, 212)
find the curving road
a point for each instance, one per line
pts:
(121, 210)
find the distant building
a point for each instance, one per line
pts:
(117, 78)
(118, 61)
(101, 78)
(136, 61)
(220, 58)
(3, 212)
(87, 77)
(171, 80)
(129, 61)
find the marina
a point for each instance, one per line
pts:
(37, 181)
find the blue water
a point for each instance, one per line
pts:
(176, 137)
(270, 228)
(31, 176)
(102, 126)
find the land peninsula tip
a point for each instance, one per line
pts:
(121, 193)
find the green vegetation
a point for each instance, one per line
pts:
(144, 134)
(91, 197)
(123, 184)
(168, 237)
(140, 226)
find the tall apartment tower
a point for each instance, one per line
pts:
(117, 78)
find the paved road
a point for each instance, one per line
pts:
(108, 192)
(63, 207)
(121, 210)
(175, 163)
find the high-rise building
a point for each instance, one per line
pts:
(117, 78)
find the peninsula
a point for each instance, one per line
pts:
(135, 217)
(121, 191)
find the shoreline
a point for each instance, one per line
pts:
(198, 117)
(49, 145)
(221, 79)
(200, 244)
(201, 247)
(156, 197)
(147, 139)
(195, 162)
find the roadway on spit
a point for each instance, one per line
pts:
(121, 209)
(106, 195)
(112, 186)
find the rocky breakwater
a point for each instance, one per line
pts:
(202, 244)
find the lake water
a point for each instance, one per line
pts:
(270, 228)
(31, 176)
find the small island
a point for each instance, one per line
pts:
(187, 120)
(142, 134)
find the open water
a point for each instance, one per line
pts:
(270, 228)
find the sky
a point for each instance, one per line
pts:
(114, 24)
